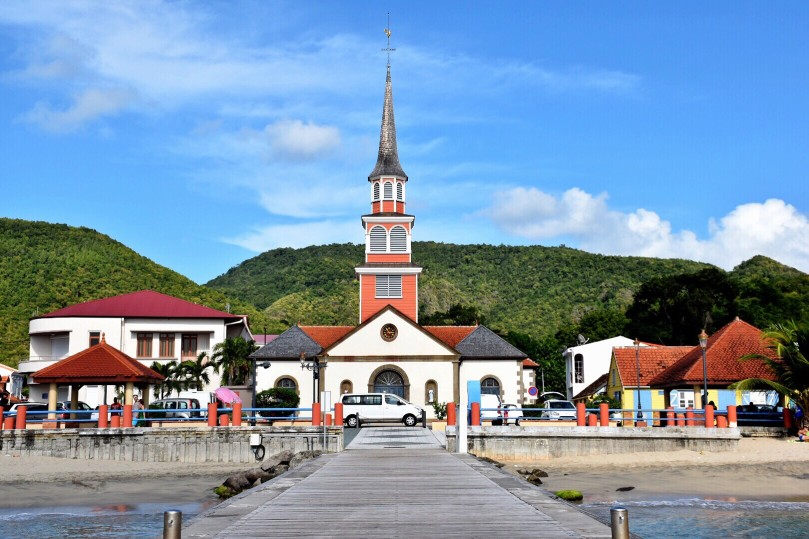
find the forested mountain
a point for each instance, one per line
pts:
(46, 266)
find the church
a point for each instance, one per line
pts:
(388, 351)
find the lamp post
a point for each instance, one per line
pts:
(266, 365)
(637, 364)
(313, 365)
(703, 343)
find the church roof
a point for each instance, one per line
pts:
(450, 335)
(289, 344)
(325, 336)
(387, 163)
(485, 343)
(141, 304)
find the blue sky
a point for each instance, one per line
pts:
(203, 133)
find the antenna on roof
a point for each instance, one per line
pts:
(581, 339)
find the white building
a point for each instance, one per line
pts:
(145, 325)
(585, 363)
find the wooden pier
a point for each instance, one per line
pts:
(395, 482)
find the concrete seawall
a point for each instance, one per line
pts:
(543, 443)
(178, 444)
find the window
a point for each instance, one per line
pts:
(399, 191)
(390, 399)
(144, 345)
(371, 399)
(95, 338)
(617, 396)
(389, 382)
(346, 387)
(388, 286)
(286, 383)
(376, 190)
(490, 386)
(579, 361)
(189, 345)
(398, 239)
(351, 399)
(388, 191)
(167, 345)
(379, 240)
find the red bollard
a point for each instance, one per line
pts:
(224, 420)
(581, 411)
(732, 416)
(709, 417)
(592, 420)
(8, 423)
(103, 416)
(127, 415)
(670, 417)
(689, 417)
(721, 422)
(212, 411)
(338, 414)
(604, 414)
(237, 414)
(115, 421)
(451, 417)
(22, 411)
(787, 418)
(475, 414)
(328, 422)
(315, 414)
(681, 420)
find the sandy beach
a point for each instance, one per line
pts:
(763, 469)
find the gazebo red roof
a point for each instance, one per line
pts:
(652, 359)
(99, 364)
(141, 304)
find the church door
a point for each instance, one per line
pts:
(389, 382)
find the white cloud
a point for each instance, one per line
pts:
(299, 235)
(292, 139)
(90, 104)
(773, 228)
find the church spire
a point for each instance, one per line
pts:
(387, 163)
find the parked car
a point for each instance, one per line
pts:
(85, 411)
(558, 409)
(359, 408)
(34, 407)
(177, 408)
(490, 406)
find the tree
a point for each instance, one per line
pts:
(230, 357)
(596, 325)
(456, 315)
(791, 368)
(195, 373)
(547, 353)
(172, 373)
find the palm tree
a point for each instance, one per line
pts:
(791, 368)
(230, 358)
(195, 373)
(171, 371)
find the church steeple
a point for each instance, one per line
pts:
(387, 162)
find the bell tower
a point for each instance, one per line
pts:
(388, 276)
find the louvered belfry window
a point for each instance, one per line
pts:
(388, 191)
(398, 239)
(388, 286)
(399, 191)
(376, 190)
(379, 240)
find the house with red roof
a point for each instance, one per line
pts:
(389, 351)
(146, 325)
(673, 375)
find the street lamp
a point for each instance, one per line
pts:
(637, 364)
(703, 343)
(266, 365)
(313, 365)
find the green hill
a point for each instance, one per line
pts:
(532, 290)
(46, 266)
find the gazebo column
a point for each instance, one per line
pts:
(53, 396)
(128, 392)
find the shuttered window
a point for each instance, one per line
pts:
(379, 240)
(399, 191)
(388, 191)
(376, 190)
(388, 286)
(398, 239)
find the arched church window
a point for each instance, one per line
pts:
(398, 239)
(399, 191)
(388, 191)
(379, 239)
(376, 190)
(490, 386)
(286, 383)
(389, 382)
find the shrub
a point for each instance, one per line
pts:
(440, 409)
(278, 397)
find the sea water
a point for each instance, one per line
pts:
(136, 520)
(698, 518)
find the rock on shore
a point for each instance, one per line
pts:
(274, 466)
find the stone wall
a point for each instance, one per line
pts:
(544, 443)
(191, 444)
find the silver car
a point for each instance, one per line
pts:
(559, 409)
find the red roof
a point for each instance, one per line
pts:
(652, 360)
(325, 336)
(450, 335)
(142, 304)
(99, 364)
(529, 363)
(725, 348)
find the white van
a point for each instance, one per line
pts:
(359, 408)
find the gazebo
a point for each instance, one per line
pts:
(100, 364)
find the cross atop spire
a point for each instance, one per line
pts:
(388, 49)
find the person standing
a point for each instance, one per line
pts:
(136, 411)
